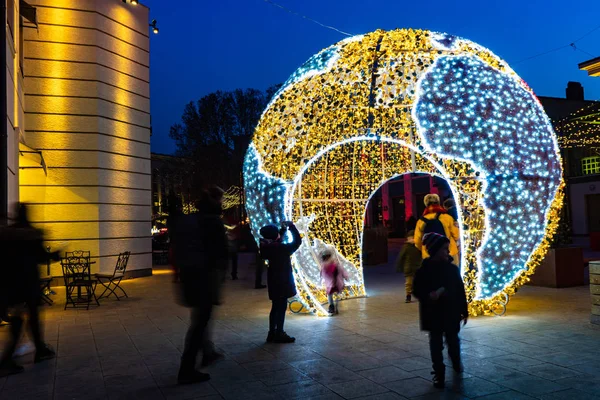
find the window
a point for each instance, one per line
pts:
(590, 165)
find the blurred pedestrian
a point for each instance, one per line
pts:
(200, 254)
(334, 276)
(409, 260)
(22, 249)
(280, 278)
(442, 304)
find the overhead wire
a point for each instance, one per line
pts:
(572, 44)
(307, 18)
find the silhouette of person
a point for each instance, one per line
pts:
(22, 248)
(200, 254)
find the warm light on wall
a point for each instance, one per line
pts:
(383, 104)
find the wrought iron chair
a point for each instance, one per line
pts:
(76, 268)
(111, 282)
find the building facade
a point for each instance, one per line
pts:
(78, 122)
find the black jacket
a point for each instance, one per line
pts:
(22, 249)
(280, 278)
(445, 313)
(200, 250)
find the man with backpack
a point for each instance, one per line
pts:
(436, 219)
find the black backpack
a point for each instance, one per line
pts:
(433, 225)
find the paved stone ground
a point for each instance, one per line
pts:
(544, 347)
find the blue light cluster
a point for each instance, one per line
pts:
(470, 111)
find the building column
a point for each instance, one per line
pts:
(409, 200)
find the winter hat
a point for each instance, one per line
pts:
(326, 255)
(410, 233)
(269, 231)
(432, 198)
(433, 242)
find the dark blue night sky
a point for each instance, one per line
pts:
(204, 46)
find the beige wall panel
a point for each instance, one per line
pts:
(57, 194)
(116, 246)
(88, 230)
(125, 229)
(139, 261)
(88, 212)
(69, 123)
(62, 87)
(124, 163)
(79, 106)
(88, 141)
(92, 37)
(69, 71)
(121, 29)
(84, 177)
(10, 67)
(74, 53)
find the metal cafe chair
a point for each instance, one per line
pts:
(111, 282)
(77, 276)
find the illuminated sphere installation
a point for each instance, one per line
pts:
(376, 106)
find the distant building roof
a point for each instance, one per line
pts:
(558, 107)
(591, 66)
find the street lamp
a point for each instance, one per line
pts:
(153, 25)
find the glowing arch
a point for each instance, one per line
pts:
(383, 104)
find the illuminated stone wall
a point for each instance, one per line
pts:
(87, 108)
(14, 99)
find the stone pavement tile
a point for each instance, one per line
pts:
(569, 394)
(159, 356)
(280, 377)
(494, 372)
(354, 389)
(132, 386)
(509, 395)
(446, 394)
(383, 396)
(562, 359)
(386, 374)
(411, 387)
(328, 396)
(358, 362)
(248, 390)
(483, 351)
(412, 363)
(253, 355)
(301, 390)
(79, 364)
(475, 387)
(586, 383)
(591, 368)
(26, 392)
(237, 347)
(371, 345)
(325, 371)
(389, 354)
(66, 349)
(292, 353)
(514, 360)
(532, 386)
(258, 367)
(198, 390)
(389, 337)
(551, 372)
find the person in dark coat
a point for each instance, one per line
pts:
(280, 278)
(200, 254)
(442, 304)
(409, 261)
(22, 250)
